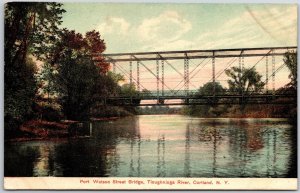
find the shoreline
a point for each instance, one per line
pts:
(41, 130)
(38, 130)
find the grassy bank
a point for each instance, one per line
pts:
(52, 125)
(249, 111)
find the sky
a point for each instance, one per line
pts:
(160, 27)
(166, 27)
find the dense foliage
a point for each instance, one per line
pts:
(244, 81)
(30, 31)
(74, 78)
(52, 73)
(290, 60)
(209, 88)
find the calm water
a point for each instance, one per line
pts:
(164, 145)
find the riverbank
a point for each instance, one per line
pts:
(249, 111)
(41, 130)
(33, 130)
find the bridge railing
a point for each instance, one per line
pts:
(206, 99)
(194, 94)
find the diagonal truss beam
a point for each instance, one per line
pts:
(152, 73)
(126, 74)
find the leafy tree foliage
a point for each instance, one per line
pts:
(30, 27)
(20, 93)
(30, 30)
(116, 77)
(244, 80)
(206, 110)
(128, 90)
(78, 44)
(207, 89)
(146, 92)
(45, 78)
(78, 82)
(290, 60)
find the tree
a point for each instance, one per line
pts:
(290, 60)
(128, 90)
(45, 78)
(209, 109)
(244, 80)
(30, 27)
(19, 95)
(79, 82)
(146, 92)
(30, 30)
(80, 86)
(81, 45)
(208, 89)
(116, 77)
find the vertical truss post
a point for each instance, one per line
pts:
(267, 73)
(114, 67)
(162, 77)
(138, 75)
(157, 77)
(240, 65)
(130, 72)
(186, 75)
(243, 64)
(240, 73)
(213, 73)
(242, 70)
(273, 72)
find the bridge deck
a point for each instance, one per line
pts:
(204, 99)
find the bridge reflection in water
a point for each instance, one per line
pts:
(164, 146)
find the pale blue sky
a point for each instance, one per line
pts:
(161, 27)
(158, 27)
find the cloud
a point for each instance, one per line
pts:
(168, 26)
(264, 27)
(114, 25)
(275, 26)
(170, 30)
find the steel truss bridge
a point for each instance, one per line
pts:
(164, 93)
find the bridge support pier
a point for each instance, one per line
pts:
(187, 101)
(161, 101)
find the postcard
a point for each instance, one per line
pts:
(150, 96)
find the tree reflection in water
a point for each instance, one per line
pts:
(163, 146)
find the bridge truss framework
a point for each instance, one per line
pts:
(162, 59)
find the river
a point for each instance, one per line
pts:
(163, 146)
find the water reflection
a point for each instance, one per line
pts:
(163, 146)
(42, 167)
(187, 167)
(161, 168)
